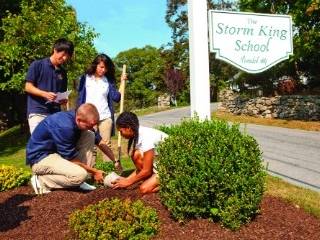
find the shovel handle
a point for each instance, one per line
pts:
(122, 88)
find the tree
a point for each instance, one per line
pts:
(178, 55)
(145, 76)
(306, 39)
(305, 15)
(30, 34)
(174, 80)
(12, 6)
(314, 6)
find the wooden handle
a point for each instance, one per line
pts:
(122, 88)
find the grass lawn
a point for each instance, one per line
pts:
(12, 145)
(303, 125)
(150, 110)
(300, 197)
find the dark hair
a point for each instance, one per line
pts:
(129, 120)
(110, 73)
(65, 45)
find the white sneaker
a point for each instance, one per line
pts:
(38, 189)
(87, 187)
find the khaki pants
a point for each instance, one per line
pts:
(56, 172)
(34, 119)
(105, 128)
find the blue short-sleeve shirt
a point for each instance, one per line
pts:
(43, 74)
(57, 133)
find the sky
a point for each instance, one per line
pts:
(124, 24)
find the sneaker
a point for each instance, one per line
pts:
(87, 187)
(38, 189)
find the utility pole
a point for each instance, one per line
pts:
(199, 59)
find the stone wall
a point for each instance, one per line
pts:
(282, 107)
(164, 101)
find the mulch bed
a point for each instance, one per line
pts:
(26, 216)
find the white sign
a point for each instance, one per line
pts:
(252, 42)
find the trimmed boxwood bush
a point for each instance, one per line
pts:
(211, 170)
(115, 219)
(12, 177)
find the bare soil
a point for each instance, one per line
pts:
(24, 215)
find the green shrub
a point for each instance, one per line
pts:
(11, 177)
(115, 219)
(211, 170)
(107, 167)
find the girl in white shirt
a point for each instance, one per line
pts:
(97, 86)
(144, 141)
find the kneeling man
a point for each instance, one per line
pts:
(60, 149)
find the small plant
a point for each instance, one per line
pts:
(115, 219)
(211, 170)
(107, 167)
(12, 177)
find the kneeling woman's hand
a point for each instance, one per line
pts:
(121, 183)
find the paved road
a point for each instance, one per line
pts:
(293, 155)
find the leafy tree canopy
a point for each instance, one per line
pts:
(145, 75)
(305, 15)
(306, 41)
(30, 34)
(178, 55)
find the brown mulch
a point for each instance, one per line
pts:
(26, 216)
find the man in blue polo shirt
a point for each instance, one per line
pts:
(57, 150)
(44, 79)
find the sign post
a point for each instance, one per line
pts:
(199, 59)
(252, 42)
